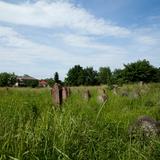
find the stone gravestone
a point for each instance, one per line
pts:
(65, 93)
(102, 97)
(56, 93)
(115, 91)
(141, 83)
(69, 91)
(144, 126)
(87, 95)
(134, 94)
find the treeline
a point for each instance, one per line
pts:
(138, 71)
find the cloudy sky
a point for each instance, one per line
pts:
(40, 37)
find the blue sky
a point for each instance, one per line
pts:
(41, 37)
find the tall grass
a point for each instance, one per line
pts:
(31, 128)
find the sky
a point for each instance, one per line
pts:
(41, 37)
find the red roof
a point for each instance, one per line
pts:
(43, 82)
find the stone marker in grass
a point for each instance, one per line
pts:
(64, 93)
(141, 83)
(102, 97)
(69, 91)
(87, 95)
(56, 93)
(144, 126)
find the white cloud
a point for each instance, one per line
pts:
(147, 40)
(22, 55)
(58, 14)
(91, 43)
(15, 47)
(84, 40)
(16, 50)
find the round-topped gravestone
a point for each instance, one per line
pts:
(144, 126)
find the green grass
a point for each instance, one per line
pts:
(31, 127)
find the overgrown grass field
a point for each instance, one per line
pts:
(31, 127)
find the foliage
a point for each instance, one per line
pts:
(90, 76)
(56, 77)
(75, 76)
(136, 72)
(31, 83)
(50, 81)
(139, 71)
(117, 76)
(105, 75)
(7, 79)
(81, 76)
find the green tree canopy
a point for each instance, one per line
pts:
(104, 75)
(139, 71)
(78, 76)
(56, 77)
(90, 76)
(7, 79)
(75, 76)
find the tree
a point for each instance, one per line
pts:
(78, 76)
(7, 79)
(50, 81)
(117, 76)
(104, 75)
(31, 83)
(139, 71)
(12, 79)
(75, 76)
(56, 77)
(90, 76)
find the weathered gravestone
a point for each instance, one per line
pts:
(86, 95)
(102, 97)
(134, 94)
(144, 126)
(124, 94)
(115, 89)
(65, 93)
(141, 83)
(56, 93)
(69, 91)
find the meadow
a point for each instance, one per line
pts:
(32, 128)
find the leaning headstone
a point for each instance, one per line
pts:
(64, 93)
(87, 95)
(102, 97)
(144, 126)
(56, 93)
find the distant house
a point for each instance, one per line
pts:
(26, 81)
(43, 83)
